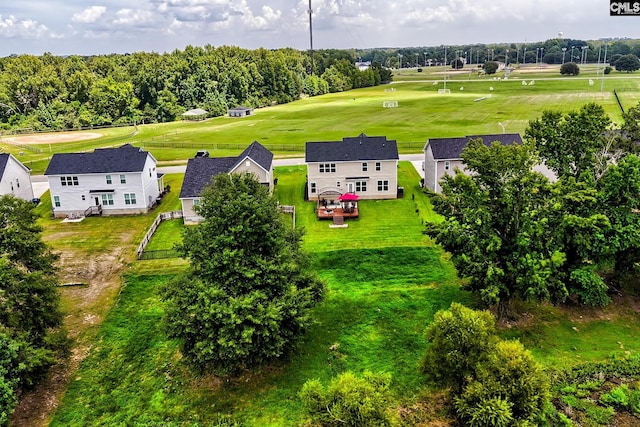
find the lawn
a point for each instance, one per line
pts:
(474, 106)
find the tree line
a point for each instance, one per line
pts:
(54, 92)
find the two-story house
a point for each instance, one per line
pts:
(112, 181)
(442, 155)
(15, 178)
(363, 165)
(255, 159)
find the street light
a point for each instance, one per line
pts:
(572, 47)
(583, 58)
(425, 59)
(524, 56)
(564, 50)
(506, 58)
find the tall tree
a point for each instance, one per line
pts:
(249, 292)
(627, 63)
(496, 225)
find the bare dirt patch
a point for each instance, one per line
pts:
(51, 138)
(86, 308)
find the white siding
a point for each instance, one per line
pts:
(349, 174)
(16, 180)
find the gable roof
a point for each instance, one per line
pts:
(4, 159)
(258, 153)
(361, 147)
(240, 108)
(195, 112)
(200, 170)
(451, 148)
(102, 160)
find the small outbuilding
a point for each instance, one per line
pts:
(195, 114)
(240, 111)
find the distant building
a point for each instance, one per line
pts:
(255, 159)
(363, 66)
(363, 165)
(15, 178)
(240, 111)
(195, 114)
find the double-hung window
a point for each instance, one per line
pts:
(129, 198)
(383, 185)
(361, 186)
(327, 167)
(107, 199)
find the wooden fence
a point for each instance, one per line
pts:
(156, 222)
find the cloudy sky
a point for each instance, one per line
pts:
(83, 27)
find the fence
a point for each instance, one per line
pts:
(156, 222)
(158, 254)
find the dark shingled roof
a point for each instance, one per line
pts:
(258, 154)
(4, 159)
(361, 147)
(201, 170)
(102, 160)
(451, 148)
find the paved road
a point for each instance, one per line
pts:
(40, 184)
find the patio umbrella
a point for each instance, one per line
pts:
(348, 197)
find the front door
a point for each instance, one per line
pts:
(349, 187)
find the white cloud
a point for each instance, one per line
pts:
(89, 15)
(132, 17)
(25, 28)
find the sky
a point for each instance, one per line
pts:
(66, 27)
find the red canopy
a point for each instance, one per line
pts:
(349, 197)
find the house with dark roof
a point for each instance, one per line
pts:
(15, 178)
(442, 155)
(363, 165)
(255, 159)
(109, 181)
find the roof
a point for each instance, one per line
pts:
(195, 112)
(240, 108)
(258, 153)
(361, 147)
(4, 159)
(102, 160)
(200, 170)
(451, 148)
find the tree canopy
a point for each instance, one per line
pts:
(490, 67)
(569, 68)
(627, 63)
(29, 305)
(249, 292)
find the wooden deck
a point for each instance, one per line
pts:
(329, 212)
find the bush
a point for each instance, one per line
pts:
(619, 397)
(490, 67)
(607, 69)
(460, 338)
(570, 68)
(349, 400)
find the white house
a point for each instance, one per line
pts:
(15, 178)
(109, 181)
(364, 165)
(255, 159)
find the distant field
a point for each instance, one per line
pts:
(476, 104)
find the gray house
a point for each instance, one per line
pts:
(255, 159)
(363, 165)
(442, 155)
(15, 178)
(240, 111)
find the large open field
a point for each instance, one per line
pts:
(385, 278)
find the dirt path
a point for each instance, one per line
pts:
(85, 308)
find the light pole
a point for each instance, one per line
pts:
(417, 65)
(524, 56)
(445, 69)
(425, 59)
(583, 58)
(564, 50)
(506, 58)
(572, 47)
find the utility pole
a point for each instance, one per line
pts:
(311, 35)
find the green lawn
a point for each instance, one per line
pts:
(472, 107)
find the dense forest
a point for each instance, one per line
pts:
(51, 92)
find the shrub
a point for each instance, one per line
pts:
(619, 397)
(570, 68)
(349, 400)
(607, 69)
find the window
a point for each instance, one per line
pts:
(123, 179)
(327, 167)
(378, 166)
(107, 199)
(149, 172)
(83, 198)
(365, 166)
(196, 202)
(447, 165)
(109, 179)
(129, 198)
(383, 185)
(361, 186)
(312, 188)
(17, 183)
(338, 184)
(56, 201)
(68, 180)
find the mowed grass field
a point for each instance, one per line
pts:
(476, 105)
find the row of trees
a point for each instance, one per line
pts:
(30, 317)
(52, 92)
(515, 235)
